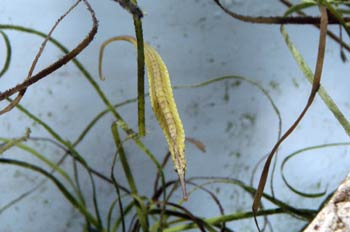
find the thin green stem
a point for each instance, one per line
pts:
(141, 211)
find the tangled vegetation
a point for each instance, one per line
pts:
(130, 210)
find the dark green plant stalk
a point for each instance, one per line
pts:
(140, 73)
(110, 213)
(99, 227)
(119, 220)
(77, 183)
(122, 211)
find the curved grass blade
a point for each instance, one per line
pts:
(8, 53)
(298, 152)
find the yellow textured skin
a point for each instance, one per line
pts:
(164, 106)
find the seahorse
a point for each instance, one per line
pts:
(163, 105)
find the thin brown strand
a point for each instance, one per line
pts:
(277, 19)
(36, 59)
(197, 143)
(315, 86)
(64, 60)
